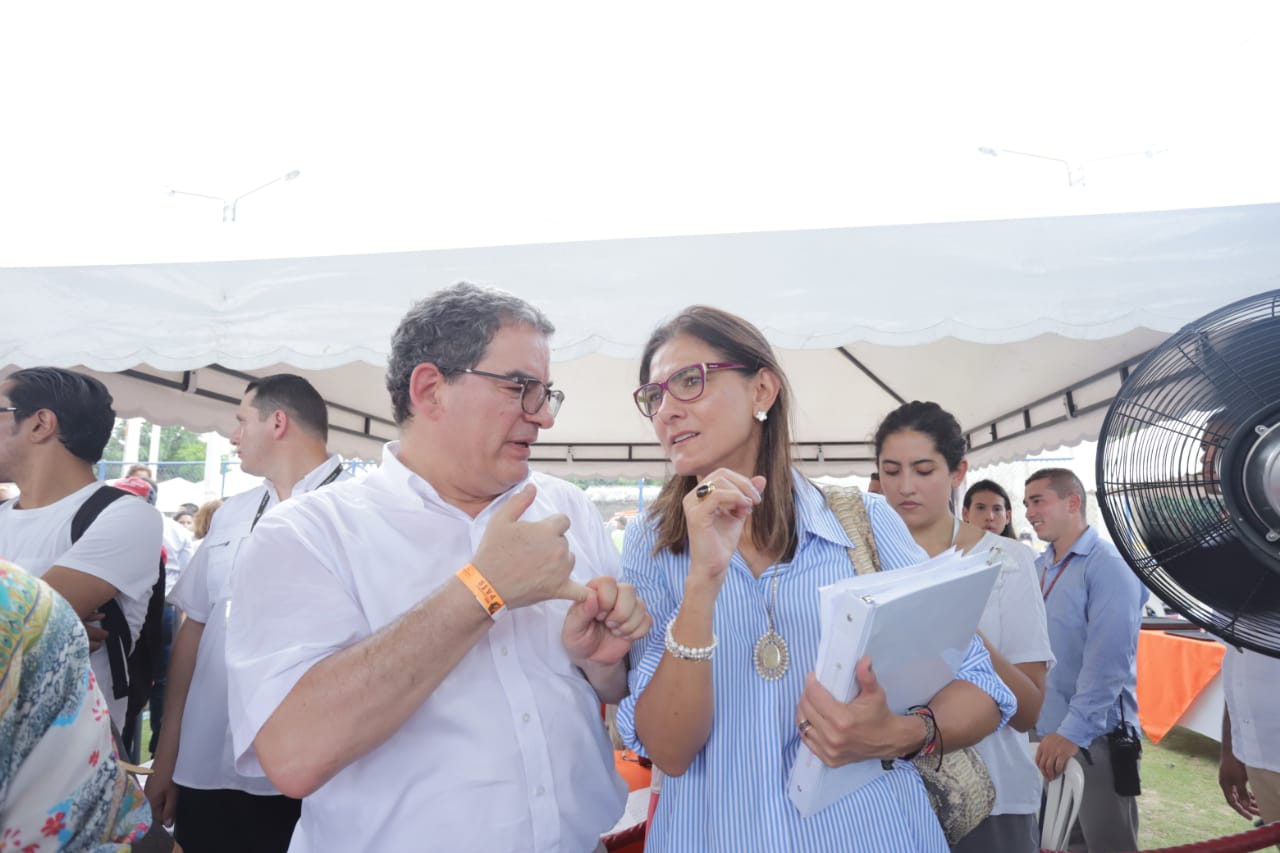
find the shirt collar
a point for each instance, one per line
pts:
(318, 474)
(1082, 546)
(813, 517)
(399, 478)
(313, 478)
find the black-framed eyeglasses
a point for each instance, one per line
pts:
(686, 385)
(534, 393)
(8, 409)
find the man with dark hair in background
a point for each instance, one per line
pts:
(1093, 603)
(282, 427)
(59, 422)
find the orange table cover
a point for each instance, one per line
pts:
(1171, 673)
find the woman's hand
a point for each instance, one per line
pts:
(715, 521)
(840, 733)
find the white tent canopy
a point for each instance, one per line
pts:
(1022, 328)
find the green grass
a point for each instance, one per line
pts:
(1181, 802)
(146, 740)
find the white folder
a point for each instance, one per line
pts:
(916, 624)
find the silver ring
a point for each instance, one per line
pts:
(804, 726)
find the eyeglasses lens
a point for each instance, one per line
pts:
(535, 394)
(687, 384)
(649, 399)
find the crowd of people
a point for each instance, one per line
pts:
(419, 657)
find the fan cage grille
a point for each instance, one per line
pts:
(1160, 479)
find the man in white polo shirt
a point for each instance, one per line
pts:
(281, 429)
(422, 654)
(54, 425)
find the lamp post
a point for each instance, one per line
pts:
(1075, 171)
(229, 207)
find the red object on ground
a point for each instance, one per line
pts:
(637, 777)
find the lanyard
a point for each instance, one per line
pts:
(262, 505)
(1062, 567)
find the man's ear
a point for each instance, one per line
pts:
(426, 387)
(279, 423)
(41, 426)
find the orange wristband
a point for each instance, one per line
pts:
(481, 589)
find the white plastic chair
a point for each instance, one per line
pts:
(1061, 804)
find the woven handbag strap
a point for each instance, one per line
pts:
(846, 502)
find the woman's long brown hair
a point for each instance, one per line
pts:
(773, 522)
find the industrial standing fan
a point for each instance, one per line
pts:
(1189, 472)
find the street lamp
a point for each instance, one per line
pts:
(1075, 171)
(229, 207)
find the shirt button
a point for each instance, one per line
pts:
(503, 651)
(541, 790)
(525, 718)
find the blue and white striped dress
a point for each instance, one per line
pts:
(733, 796)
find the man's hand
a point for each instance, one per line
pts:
(865, 728)
(1234, 780)
(97, 634)
(527, 561)
(1053, 754)
(601, 628)
(161, 791)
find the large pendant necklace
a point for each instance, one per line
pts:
(772, 657)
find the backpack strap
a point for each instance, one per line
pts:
(847, 505)
(92, 508)
(119, 640)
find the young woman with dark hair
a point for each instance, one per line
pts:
(987, 505)
(920, 453)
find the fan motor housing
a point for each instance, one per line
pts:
(1250, 477)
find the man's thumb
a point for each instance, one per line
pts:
(573, 591)
(517, 504)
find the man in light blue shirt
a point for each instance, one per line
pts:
(1094, 606)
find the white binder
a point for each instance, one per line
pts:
(916, 624)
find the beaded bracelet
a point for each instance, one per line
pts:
(689, 652)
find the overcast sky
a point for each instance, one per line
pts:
(422, 126)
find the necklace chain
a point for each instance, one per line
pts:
(771, 655)
(773, 596)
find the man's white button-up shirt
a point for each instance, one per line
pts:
(508, 753)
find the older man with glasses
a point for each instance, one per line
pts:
(421, 654)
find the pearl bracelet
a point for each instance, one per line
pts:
(689, 652)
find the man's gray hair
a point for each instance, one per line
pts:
(452, 329)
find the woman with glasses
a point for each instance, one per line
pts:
(920, 454)
(729, 559)
(987, 505)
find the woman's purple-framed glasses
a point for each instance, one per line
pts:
(685, 384)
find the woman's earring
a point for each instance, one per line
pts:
(762, 416)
